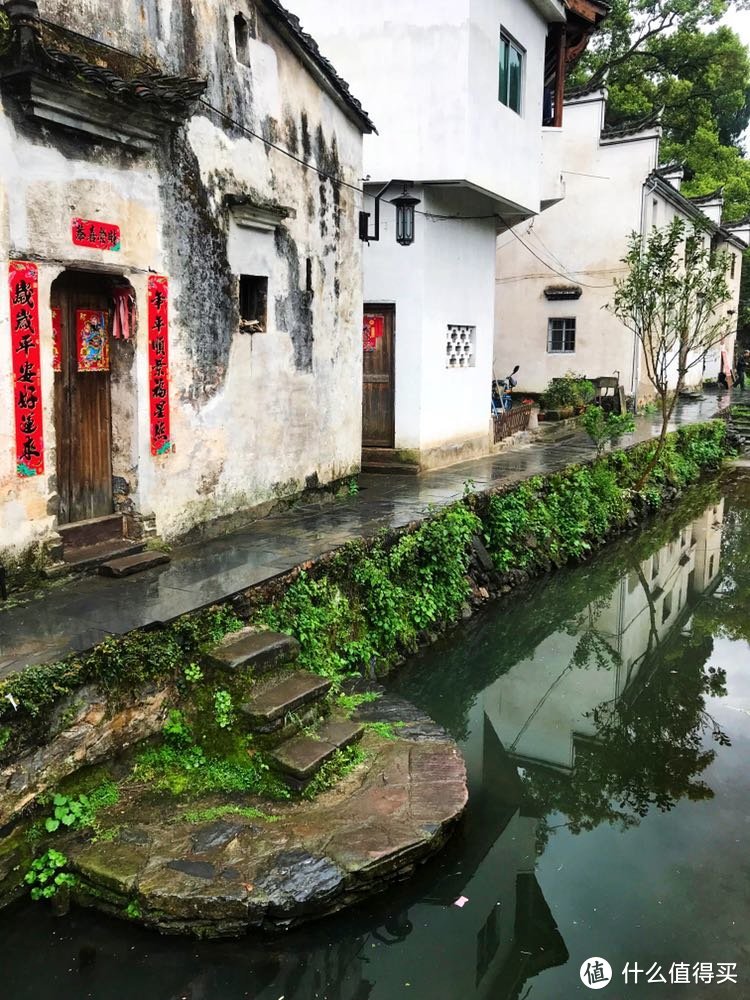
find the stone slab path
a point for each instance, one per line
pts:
(221, 877)
(75, 615)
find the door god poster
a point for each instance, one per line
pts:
(92, 340)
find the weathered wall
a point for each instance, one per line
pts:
(83, 731)
(253, 415)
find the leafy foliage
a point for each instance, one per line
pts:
(375, 603)
(568, 390)
(557, 518)
(670, 299)
(604, 427)
(342, 762)
(120, 665)
(47, 875)
(81, 810)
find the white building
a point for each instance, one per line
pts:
(459, 90)
(556, 272)
(196, 167)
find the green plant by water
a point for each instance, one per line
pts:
(47, 875)
(604, 428)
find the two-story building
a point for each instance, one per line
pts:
(180, 186)
(556, 273)
(462, 93)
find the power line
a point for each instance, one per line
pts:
(546, 264)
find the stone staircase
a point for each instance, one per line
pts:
(100, 544)
(288, 708)
(738, 426)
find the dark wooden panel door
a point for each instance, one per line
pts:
(83, 421)
(378, 388)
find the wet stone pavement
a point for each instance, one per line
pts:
(76, 615)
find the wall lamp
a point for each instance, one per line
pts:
(405, 205)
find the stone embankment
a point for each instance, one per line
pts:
(215, 865)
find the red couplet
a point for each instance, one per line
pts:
(158, 363)
(96, 235)
(27, 384)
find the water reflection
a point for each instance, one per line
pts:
(583, 706)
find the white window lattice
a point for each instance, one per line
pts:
(460, 346)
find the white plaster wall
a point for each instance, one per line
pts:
(445, 277)
(266, 425)
(504, 147)
(429, 74)
(582, 239)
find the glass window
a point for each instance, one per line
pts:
(511, 73)
(561, 336)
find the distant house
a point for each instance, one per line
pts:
(468, 102)
(180, 192)
(555, 273)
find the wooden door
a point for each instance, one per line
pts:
(83, 421)
(378, 379)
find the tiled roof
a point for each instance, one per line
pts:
(705, 199)
(584, 89)
(669, 169)
(308, 43)
(67, 55)
(619, 130)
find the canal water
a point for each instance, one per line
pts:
(605, 719)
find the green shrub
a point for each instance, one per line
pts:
(604, 427)
(568, 390)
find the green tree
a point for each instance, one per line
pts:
(670, 299)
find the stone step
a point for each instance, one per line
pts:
(136, 563)
(267, 710)
(90, 556)
(387, 460)
(80, 534)
(251, 649)
(300, 758)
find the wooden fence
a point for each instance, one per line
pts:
(511, 421)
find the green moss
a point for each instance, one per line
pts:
(219, 812)
(342, 762)
(190, 772)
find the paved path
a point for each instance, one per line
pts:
(76, 615)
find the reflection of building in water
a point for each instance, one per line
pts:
(506, 924)
(543, 704)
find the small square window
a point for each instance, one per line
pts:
(511, 73)
(561, 336)
(253, 303)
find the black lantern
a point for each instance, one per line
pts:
(405, 217)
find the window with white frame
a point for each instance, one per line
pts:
(561, 336)
(511, 72)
